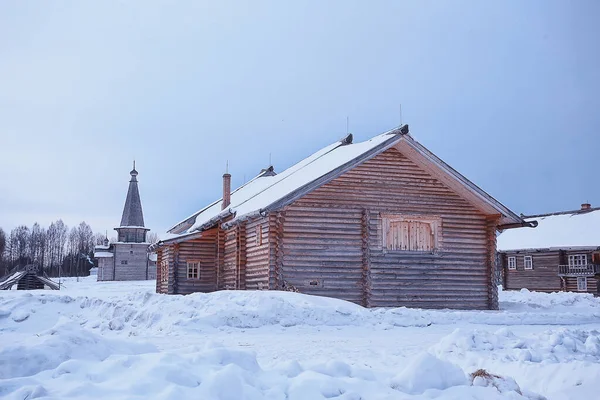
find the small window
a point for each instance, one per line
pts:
(577, 260)
(193, 270)
(582, 284)
(512, 263)
(411, 233)
(528, 262)
(164, 271)
(259, 238)
(123, 262)
(130, 251)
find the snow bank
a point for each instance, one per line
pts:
(143, 311)
(552, 346)
(65, 341)
(219, 373)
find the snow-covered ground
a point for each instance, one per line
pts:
(120, 340)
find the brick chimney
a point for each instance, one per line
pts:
(586, 206)
(226, 190)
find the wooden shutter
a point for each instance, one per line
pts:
(410, 235)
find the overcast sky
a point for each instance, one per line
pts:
(507, 92)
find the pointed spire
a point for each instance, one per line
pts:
(132, 212)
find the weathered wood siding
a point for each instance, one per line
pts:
(203, 250)
(257, 254)
(544, 275)
(324, 236)
(571, 285)
(164, 253)
(230, 259)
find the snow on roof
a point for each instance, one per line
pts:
(572, 229)
(262, 191)
(103, 254)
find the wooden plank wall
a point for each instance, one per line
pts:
(257, 255)
(544, 275)
(323, 240)
(322, 251)
(203, 250)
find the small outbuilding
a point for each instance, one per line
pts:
(29, 277)
(561, 254)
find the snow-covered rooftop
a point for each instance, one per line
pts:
(571, 229)
(269, 191)
(263, 190)
(103, 254)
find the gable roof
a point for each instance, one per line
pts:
(562, 230)
(274, 191)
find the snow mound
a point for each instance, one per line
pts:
(555, 346)
(220, 373)
(526, 300)
(428, 372)
(65, 341)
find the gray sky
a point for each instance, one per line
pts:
(508, 93)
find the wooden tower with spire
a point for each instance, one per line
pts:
(127, 259)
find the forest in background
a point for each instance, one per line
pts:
(60, 251)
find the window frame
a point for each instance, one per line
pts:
(124, 262)
(189, 264)
(573, 257)
(530, 258)
(582, 288)
(435, 221)
(512, 267)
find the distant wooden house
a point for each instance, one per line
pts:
(29, 277)
(561, 254)
(380, 223)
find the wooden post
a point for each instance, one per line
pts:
(220, 257)
(279, 221)
(241, 257)
(491, 264)
(175, 267)
(366, 259)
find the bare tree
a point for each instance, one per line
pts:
(152, 237)
(3, 266)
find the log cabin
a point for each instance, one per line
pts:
(384, 222)
(561, 254)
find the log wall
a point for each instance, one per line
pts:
(257, 254)
(204, 251)
(324, 235)
(230, 259)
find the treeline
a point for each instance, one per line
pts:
(59, 250)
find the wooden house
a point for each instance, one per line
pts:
(561, 254)
(380, 223)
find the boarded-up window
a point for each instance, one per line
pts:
(512, 263)
(193, 270)
(408, 233)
